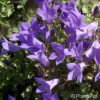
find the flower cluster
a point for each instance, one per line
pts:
(81, 42)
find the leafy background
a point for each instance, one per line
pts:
(17, 72)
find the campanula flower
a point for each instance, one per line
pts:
(76, 51)
(76, 71)
(11, 98)
(24, 27)
(87, 31)
(41, 57)
(50, 96)
(46, 86)
(59, 54)
(33, 45)
(35, 27)
(48, 14)
(28, 40)
(46, 33)
(72, 35)
(8, 47)
(94, 52)
(70, 15)
(23, 36)
(26, 31)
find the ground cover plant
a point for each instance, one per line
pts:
(52, 52)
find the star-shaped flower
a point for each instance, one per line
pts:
(46, 13)
(70, 15)
(46, 86)
(76, 71)
(41, 57)
(59, 54)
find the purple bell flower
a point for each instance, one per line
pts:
(76, 51)
(46, 86)
(46, 13)
(50, 96)
(41, 57)
(70, 15)
(8, 47)
(76, 71)
(11, 98)
(94, 52)
(59, 54)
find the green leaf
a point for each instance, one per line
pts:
(22, 2)
(85, 10)
(19, 6)
(3, 1)
(7, 10)
(10, 10)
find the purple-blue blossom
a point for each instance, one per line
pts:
(41, 57)
(59, 54)
(48, 14)
(30, 42)
(72, 35)
(76, 71)
(47, 33)
(97, 77)
(8, 47)
(86, 31)
(70, 15)
(48, 96)
(46, 86)
(11, 98)
(76, 51)
(93, 52)
(33, 45)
